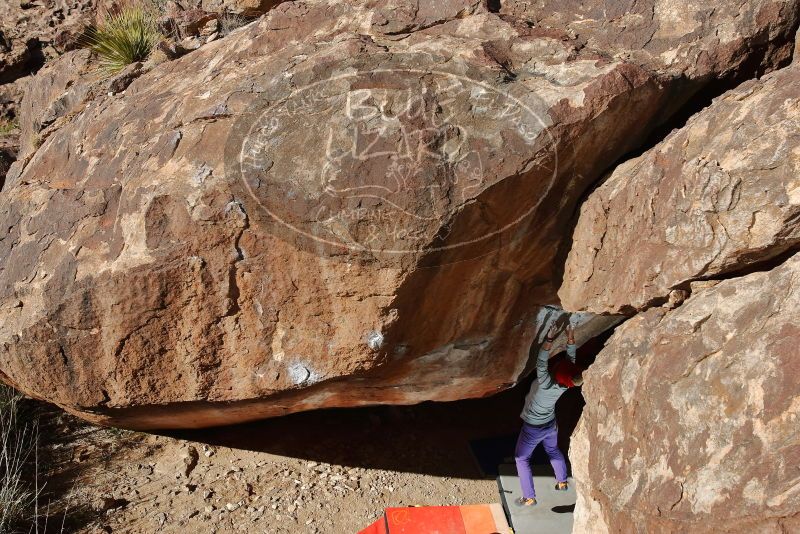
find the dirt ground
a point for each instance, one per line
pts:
(331, 471)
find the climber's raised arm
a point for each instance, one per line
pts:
(571, 343)
(542, 373)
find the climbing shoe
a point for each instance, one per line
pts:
(522, 501)
(562, 486)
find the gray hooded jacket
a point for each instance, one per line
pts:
(540, 404)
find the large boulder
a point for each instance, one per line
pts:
(692, 407)
(342, 204)
(692, 415)
(715, 197)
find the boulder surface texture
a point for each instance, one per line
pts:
(692, 415)
(692, 419)
(715, 197)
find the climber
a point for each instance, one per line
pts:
(539, 415)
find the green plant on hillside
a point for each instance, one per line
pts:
(123, 37)
(7, 126)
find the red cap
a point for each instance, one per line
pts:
(564, 371)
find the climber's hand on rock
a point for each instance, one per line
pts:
(552, 333)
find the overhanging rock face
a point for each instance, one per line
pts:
(343, 204)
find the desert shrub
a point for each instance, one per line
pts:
(230, 21)
(7, 126)
(18, 438)
(36, 141)
(124, 36)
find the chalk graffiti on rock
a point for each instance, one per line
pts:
(380, 162)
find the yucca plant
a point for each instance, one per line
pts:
(124, 36)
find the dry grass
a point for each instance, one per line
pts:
(18, 441)
(231, 21)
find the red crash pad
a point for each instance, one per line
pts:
(470, 519)
(378, 527)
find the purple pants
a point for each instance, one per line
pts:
(529, 437)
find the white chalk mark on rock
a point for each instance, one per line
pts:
(298, 373)
(374, 340)
(301, 374)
